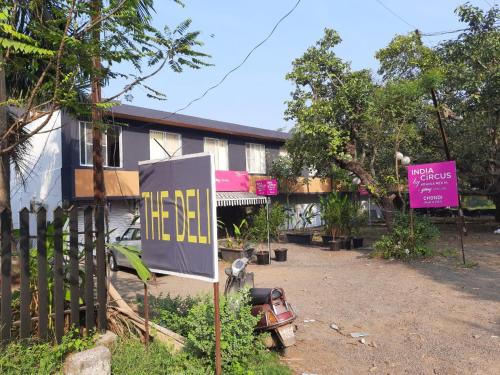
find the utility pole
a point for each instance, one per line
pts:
(463, 229)
(98, 171)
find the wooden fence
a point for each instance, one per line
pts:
(58, 281)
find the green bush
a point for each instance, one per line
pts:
(242, 351)
(130, 356)
(40, 358)
(402, 244)
(258, 228)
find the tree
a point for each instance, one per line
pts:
(344, 120)
(48, 59)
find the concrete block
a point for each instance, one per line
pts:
(95, 361)
(108, 340)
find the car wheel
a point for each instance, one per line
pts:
(113, 266)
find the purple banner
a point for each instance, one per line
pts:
(178, 218)
(266, 187)
(433, 185)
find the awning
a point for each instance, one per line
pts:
(230, 198)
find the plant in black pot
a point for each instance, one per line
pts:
(231, 248)
(333, 212)
(302, 235)
(357, 221)
(258, 230)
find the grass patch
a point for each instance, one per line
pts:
(449, 253)
(468, 264)
(243, 352)
(31, 357)
(131, 357)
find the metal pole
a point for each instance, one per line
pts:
(369, 211)
(463, 229)
(268, 236)
(218, 363)
(146, 314)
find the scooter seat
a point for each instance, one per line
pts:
(260, 296)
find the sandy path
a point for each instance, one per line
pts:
(422, 317)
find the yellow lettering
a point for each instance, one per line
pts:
(180, 197)
(164, 216)
(155, 214)
(208, 215)
(146, 195)
(201, 238)
(190, 193)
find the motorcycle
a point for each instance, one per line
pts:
(277, 314)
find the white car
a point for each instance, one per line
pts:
(130, 238)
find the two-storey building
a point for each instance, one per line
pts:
(61, 160)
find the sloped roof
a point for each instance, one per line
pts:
(125, 111)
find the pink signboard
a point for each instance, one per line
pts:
(266, 187)
(433, 185)
(232, 181)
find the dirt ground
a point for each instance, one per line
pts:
(422, 317)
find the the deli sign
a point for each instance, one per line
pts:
(433, 185)
(178, 220)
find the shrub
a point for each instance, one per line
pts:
(40, 358)
(402, 244)
(277, 218)
(242, 351)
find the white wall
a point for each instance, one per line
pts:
(43, 178)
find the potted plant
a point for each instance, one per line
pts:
(257, 233)
(358, 220)
(303, 236)
(333, 211)
(231, 248)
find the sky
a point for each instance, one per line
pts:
(255, 94)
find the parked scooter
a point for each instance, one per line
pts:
(277, 315)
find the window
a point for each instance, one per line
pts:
(283, 152)
(111, 145)
(256, 158)
(171, 142)
(218, 148)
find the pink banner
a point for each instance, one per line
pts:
(433, 185)
(266, 187)
(232, 181)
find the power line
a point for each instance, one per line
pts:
(395, 14)
(239, 65)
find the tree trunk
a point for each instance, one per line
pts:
(385, 201)
(4, 159)
(496, 200)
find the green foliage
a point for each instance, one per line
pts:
(132, 254)
(402, 243)
(341, 214)
(306, 216)
(258, 228)
(242, 351)
(40, 358)
(240, 235)
(129, 356)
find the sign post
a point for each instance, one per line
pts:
(434, 185)
(178, 222)
(267, 188)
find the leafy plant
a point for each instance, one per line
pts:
(307, 216)
(240, 234)
(40, 358)
(405, 243)
(242, 351)
(258, 229)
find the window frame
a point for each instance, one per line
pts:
(179, 151)
(226, 147)
(247, 150)
(83, 163)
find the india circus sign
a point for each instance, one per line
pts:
(433, 185)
